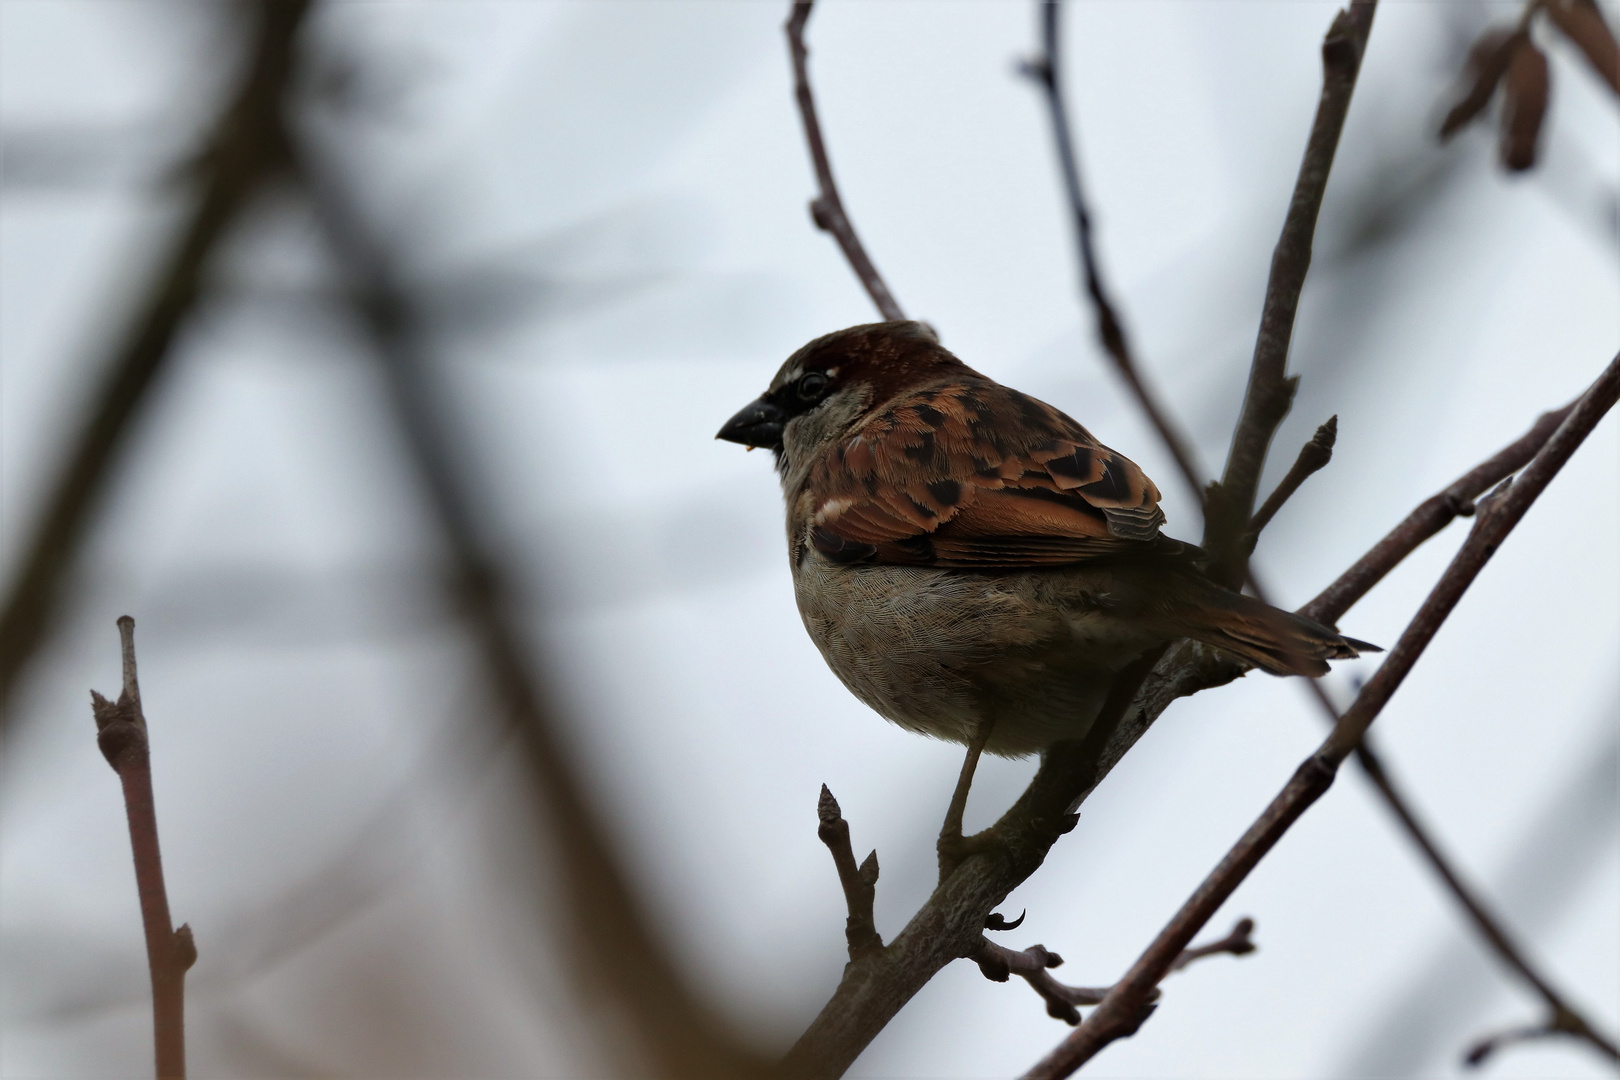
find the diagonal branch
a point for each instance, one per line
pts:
(1230, 504)
(121, 734)
(1432, 515)
(1046, 70)
(1123, 1011)
(827, 208)
(247, 144)
(1313, 457)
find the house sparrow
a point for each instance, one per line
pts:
(972, 563)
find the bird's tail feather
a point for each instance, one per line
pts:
(1273, 640)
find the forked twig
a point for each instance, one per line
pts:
(1124, 1009)
(827, 208)
(121, 734)
(1230, 503)
(859, 882)
(1032, 965)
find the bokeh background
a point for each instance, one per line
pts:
(600, 210)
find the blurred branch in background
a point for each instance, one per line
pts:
(121, 734)
(614, 951)
(247, 145)
(1123, 1011)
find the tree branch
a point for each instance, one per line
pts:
(859, 882)
(1313, 457)
(1124, 1009)
(1230, 504)
(827, 208)
(121, 734)
(1432, 515)
(1046, 70)
(247, 144)
(1031, 964)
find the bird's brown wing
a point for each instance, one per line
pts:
(972, 474)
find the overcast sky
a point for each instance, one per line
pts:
(603, 206)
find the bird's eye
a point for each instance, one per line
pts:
(811, 385)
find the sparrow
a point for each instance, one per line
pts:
(974, 564)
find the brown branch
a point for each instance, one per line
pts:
(1432, 515)
(859, 882)
(998, 964)
(121, 734)
(827, 208)
(1032, 964)
(1046, 70)
(1313, 457)
(1230, 504)
(247, 144)
(1123, 1011)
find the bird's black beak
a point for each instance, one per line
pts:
(758, 424)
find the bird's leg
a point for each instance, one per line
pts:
(953, 846)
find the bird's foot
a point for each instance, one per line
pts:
(955, 849)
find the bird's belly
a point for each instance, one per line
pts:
(937, 651)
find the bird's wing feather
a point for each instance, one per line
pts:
(973, 474)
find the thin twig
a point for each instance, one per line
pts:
(1432, 515)
(1032, 964)
(1313, 457)
(121, 734)
(827, 208)
(1123, 1011)
(1230, 504)
(1046, 70)
(246, 145)
(859, 882)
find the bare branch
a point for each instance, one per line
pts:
(1313, 457)
(859, 882)
(1046, 70)
(1230, 504)
(1032, 964)
(1240, 942)
(121, 734)
(827, 208)
(1123, 1011)
(247, 144)
(1432, 515)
